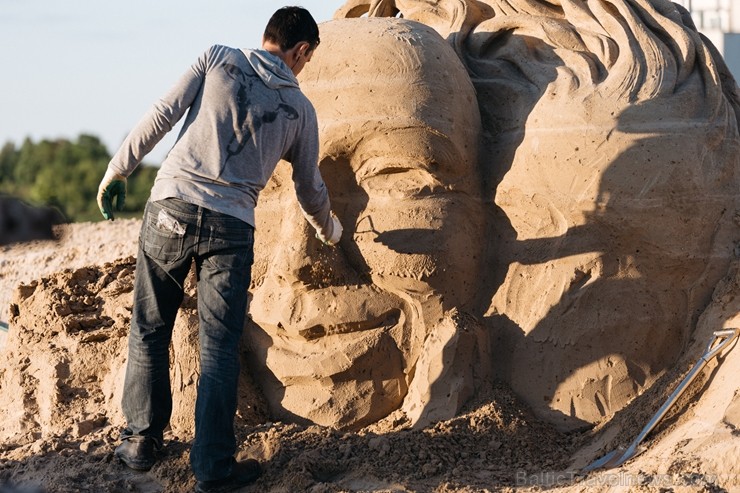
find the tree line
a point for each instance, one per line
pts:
(65, 174)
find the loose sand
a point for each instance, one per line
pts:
(60, 386)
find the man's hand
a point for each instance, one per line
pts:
(113, 186)
(336, 233)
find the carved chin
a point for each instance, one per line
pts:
(343, 375)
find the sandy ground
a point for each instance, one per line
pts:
(60, 421)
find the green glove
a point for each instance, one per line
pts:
(112, 188)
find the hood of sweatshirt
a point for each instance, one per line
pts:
(271, 69)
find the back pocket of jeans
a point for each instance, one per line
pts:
(164, 236)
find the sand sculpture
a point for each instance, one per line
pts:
(342, 335)
(585, 243)
(537, 192)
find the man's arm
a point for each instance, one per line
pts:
(160, 119)
(313, 196)
(147, 133)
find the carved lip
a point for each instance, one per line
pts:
(388, 319)
(309, 314)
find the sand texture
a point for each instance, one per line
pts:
(540, 210)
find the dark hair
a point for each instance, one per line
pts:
(291, 25)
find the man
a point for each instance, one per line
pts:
(245, 112)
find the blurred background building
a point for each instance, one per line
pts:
(719, 20)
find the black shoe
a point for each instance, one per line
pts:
(137, 452)
(242, 473)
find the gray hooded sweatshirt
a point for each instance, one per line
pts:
(245, 112)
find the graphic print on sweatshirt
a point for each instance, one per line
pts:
(251, 116)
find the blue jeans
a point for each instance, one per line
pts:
(174, 235)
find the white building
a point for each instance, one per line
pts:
(719, 20)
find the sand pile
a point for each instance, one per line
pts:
(60, 390)
(61, 419)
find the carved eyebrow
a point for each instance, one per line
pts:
(385, 135)
(433, 154)
(375, 166)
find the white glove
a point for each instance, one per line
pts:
(336, 233)
(113, 186)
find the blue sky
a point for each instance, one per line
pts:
(84, 66)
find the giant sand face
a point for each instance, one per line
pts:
(340, 330)
(586, 238)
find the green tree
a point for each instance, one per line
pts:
(66, 174)
(8, 162)
(31, 159)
